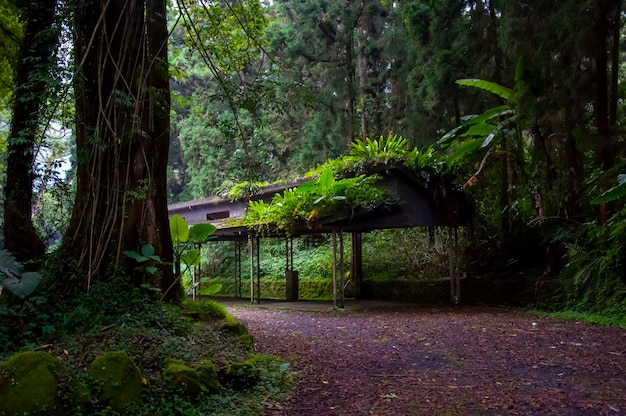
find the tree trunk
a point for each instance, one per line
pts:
(122, 137)
(35, 63)
(616, 27)
(600, 19)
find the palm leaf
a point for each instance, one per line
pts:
(492, 87)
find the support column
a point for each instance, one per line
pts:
(291, 275)
(258, 271)
(453, 258)
(334, 246)
(238, 270)
(342, 288)
(251, 252)
(356, 262)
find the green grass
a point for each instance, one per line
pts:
(616, 319)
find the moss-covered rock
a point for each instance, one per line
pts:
(120, 379)
(240, 375)
(248, 340)
(234, 327)
(35, 382)
(203, 310)
(208, 376)
(182, 378)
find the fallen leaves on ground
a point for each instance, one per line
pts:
(443, 361)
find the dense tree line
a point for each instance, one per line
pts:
(324, 73)
(266, 91)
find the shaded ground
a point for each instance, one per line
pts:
(443, 361)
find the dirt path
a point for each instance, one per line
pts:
(456, 361)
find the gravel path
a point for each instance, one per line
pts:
(445, 361)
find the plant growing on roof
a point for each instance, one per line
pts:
(387, 152)
(320, 198)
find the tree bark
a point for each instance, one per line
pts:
(616, 28)
(122, 137)
(33, 68)
(600, 56)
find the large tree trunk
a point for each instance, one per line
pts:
(616, 29)
(122, 137)
(600, 56)
(35, 62)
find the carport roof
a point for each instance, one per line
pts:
(420, 203)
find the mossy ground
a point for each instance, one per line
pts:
(151, 333)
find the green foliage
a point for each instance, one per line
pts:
(387, 152)
(323, 197)
(11, 34)
(592, 279)
(204, 309)
(383, 148)
(346, 184)
(245, 189)
(499, 90)
(185, 239)
(114, 316)
(616, 192)
(14, 279)
(146, 258)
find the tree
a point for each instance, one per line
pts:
(224, 86)
(122, 137)
(33, 72)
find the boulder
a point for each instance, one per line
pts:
(35, 382)
(180, 377)
(240, 375)
(120, 379)
(233, 327)
(208, 376)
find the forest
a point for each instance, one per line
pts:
(112, 109)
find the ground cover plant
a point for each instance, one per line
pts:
(152, 334)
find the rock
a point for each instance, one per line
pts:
(234, 327)
(34, 382)
(240, 375)
(208, 376)
(182, 378)
(248, 340)
(120, 378)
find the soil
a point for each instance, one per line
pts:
(442, 361)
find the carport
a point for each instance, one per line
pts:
(421, 202)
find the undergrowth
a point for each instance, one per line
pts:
(115, 316)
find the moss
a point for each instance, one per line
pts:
(182, 378)
(234, 327)
(240, 375)
(120, 379)
(34, 382)
(204, 310)
(248, 340)
(208, 376)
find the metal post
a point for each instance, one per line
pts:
(334, 244)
